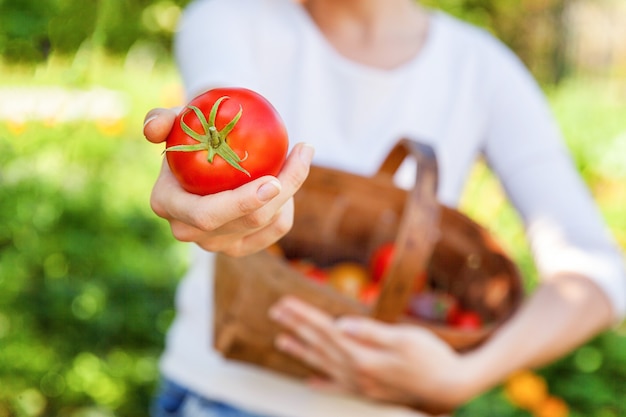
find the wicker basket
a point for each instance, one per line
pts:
(339, 217)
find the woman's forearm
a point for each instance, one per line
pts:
(562, 313)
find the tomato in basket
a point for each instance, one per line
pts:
(348, 278)
(465, 319)
(369, 293)
(380, 261)
(276, 250)
(310, 270)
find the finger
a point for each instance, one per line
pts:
(271, 220)
(314, 357)
(329, 386)
(266, 236)
(301, 351)
(170, 201)
(296, 167)
(230, 244)
(243, 243)
(313, 327)
(262, 225)
(370, 332)
(208, 213)
(294, 313)
(186, 233)
(158, 123)
(357, 382)
(365, 387)
(293, 174)
(166, 192)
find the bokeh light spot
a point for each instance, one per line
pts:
(32, 402)
(52, 385)
(56, 265)
(588, 359)
(5, 325)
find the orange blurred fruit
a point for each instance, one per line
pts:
(276, 250)
(552, 407)
(526, 390)
(348, 278)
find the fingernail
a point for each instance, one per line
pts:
(149, 119)
(268, 190)
(306, 153)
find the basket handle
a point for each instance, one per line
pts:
(417, 233)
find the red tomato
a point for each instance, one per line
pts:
(452, 314)
(369, 293)
(465, 319)
(348, 278)
(225, 138)
(310, 270)
(318, 274)
(380, 261)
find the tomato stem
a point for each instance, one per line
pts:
(212, 140)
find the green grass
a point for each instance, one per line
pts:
(87, 271)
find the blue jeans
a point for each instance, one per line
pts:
(174, 400)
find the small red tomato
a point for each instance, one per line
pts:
(348, 278)
(310, 270)
(369, 293)
(380, 261)
(317, 274)
(452, 313)
(225, 138)
(466, 320)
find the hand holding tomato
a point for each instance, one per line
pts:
(237, 222)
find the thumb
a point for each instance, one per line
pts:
(158, 123)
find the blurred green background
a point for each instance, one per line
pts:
(87, 271)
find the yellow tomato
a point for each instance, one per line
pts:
(348, 278)
(276, 250)
(526, 389)
(552, 407)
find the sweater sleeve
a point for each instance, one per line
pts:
(212, 45)
(524, 148)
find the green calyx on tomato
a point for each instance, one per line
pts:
(212, 140)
